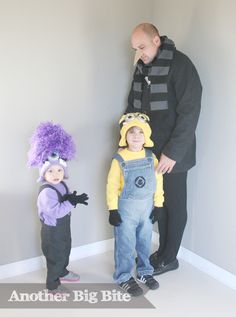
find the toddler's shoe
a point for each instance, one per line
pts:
(59, 290)
(71, 277)
(131, 287)
(149, 281)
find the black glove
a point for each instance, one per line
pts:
(114, 218)
(156, 214)
(81, 199)
(76, 199)
(71, 198)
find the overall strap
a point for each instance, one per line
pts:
(66, 188)
(148, 153)
(119, 158)
(60, 198)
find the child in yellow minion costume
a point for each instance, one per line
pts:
(134, 198)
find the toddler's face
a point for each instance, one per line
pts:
(135, 139)
(54, 175)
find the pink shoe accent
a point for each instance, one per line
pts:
(71, 277)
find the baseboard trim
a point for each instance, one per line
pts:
(91, 249)
(208, 267)
(21, 267)
(205, 266)
(37, 263)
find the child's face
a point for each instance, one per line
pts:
(54, 175)
(135, 139)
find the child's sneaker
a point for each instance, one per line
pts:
(59, 290)
(131, 287)
(71, 277)
(149, 281)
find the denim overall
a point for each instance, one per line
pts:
(135, 205)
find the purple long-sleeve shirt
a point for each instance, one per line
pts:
(49, 207)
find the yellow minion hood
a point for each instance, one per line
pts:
(136, 119)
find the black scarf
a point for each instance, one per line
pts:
(150, 81)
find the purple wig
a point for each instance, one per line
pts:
(49, 139)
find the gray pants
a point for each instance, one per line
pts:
(56, 247)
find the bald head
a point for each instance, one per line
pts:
(148, 28)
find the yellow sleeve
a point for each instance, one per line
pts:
(159, 194)
(113, 188)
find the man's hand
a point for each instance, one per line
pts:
(165, 164)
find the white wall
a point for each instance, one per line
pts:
(205, 31)
(68, 61)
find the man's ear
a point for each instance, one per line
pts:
(157, 41)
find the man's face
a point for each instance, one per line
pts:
(146, 46)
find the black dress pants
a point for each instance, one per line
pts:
(174, 217)
(56, 247)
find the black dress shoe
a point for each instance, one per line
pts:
(163, 268)
(154, 258)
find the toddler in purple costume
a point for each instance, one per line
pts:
(50, 148)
